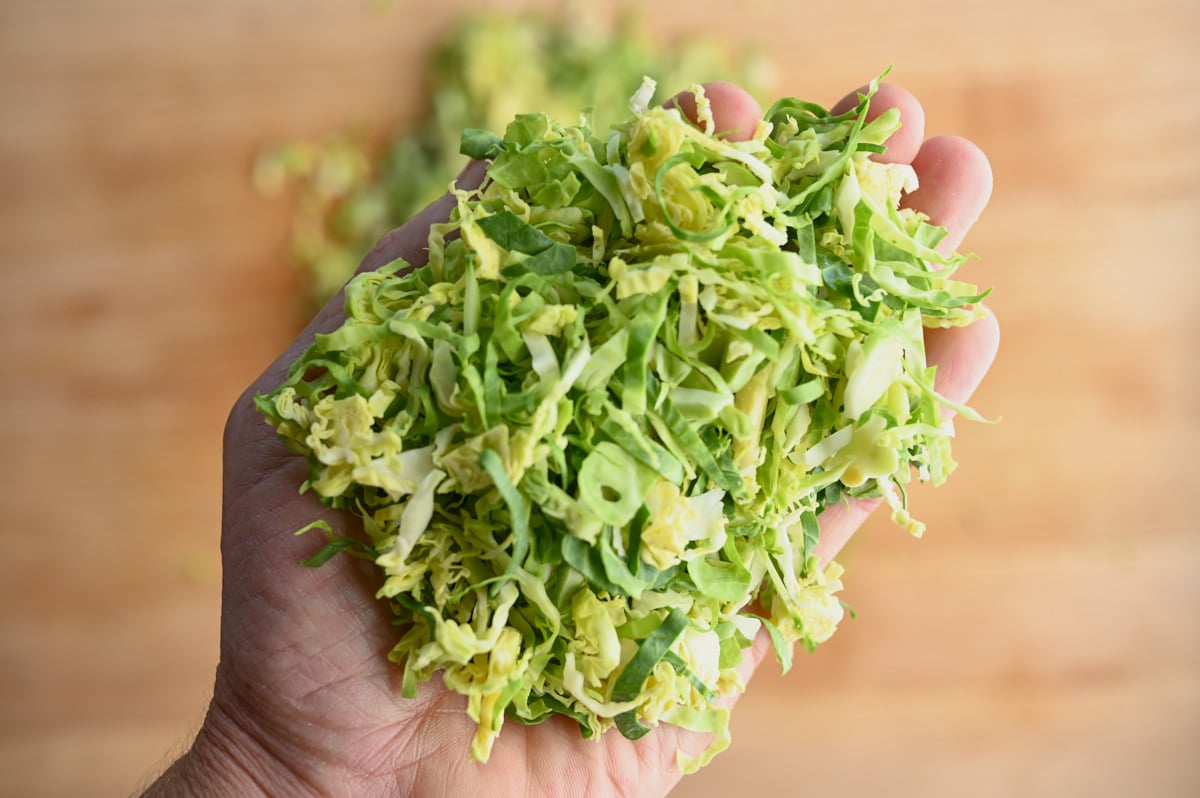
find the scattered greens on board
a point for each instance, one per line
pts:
(488, 69)
(591, 440)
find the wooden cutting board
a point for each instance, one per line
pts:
(1042, 640)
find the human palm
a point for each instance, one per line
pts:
(305, 700)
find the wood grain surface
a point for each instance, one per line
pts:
(1042, 640)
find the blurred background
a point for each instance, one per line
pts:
(157, 250)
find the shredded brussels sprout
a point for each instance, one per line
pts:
(591, 440)
(489, 67)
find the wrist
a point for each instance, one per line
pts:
(224, 760)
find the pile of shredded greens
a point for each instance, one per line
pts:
(590, 441)
(489, 67)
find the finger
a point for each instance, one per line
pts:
(839, 523)
(410, 241)
(962, 356)
(955, 186)
(905, 143)
(692, 743)
(735, 113)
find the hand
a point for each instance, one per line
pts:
(305, 701)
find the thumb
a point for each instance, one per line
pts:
(409, 242)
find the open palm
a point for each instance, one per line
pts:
(305, 700)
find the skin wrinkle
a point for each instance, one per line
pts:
(387, 755)
(244, 431)
(625, 784)
(529, 773)
(247, 512)
(318, 660)
(252, 748)
(297, 749)
(355, 779)
(542, 778)
(605, 778)
(228, 751)
(324, 674)
(276, 606)
(664, 740)
(435, 748)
